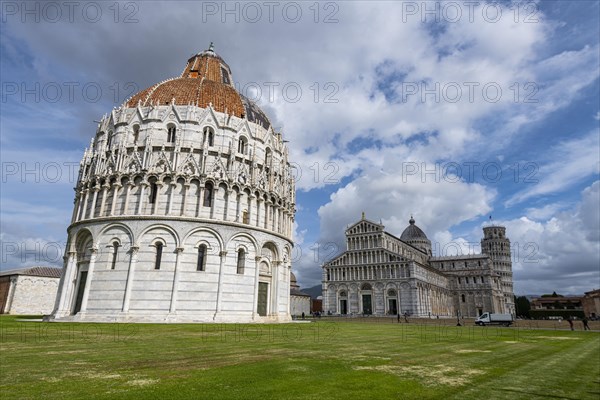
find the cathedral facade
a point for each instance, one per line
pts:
(183, 209)
(382, 274)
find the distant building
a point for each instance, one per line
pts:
(28, 291)
(591, 303)
(557, 307)
(317, 305)
(382, 274)
(299, 301)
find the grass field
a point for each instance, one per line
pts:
(319, 360)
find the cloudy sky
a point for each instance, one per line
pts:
(450, 111)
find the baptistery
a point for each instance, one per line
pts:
(184, 209)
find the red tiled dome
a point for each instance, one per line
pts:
(205, 80)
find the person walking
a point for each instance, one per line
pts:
(585, 323)
(570, 321)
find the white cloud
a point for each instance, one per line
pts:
(568, 164)
(561, 252)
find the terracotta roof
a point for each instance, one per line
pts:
(49, 272)
(206, 79)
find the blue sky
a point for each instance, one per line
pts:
(451, 119)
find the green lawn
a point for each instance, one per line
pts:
(322, 360)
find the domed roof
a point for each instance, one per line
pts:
(413, 232)
(206, 80)
(293, 281)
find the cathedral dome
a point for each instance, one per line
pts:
(206, 80)
(412, 232)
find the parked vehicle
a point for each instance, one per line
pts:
(489, 319)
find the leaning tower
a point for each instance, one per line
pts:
(184, 208)
(496, 245)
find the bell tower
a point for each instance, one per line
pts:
(496, 245)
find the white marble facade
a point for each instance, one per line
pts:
(381, 274)
(182, 212)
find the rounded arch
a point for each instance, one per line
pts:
(118, 225)
(247, 236)
(165, 227)
(270, 250)
(82, 237)
(213, 232)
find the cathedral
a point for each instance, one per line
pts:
(381, 274)
(183, 209)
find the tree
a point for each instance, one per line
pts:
(522, 306)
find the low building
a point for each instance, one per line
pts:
(299, 301)
(29, 291)
(556, 306)
(317, 305)
(591, 303)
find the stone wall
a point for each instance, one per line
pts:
(31, 295)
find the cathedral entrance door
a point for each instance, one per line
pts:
(366, 300)
(392, 306)
(80, 290)
(343, 307)
(263, 295)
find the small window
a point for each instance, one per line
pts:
(467, 280)
(153, 192)
(158, 259)
(201, 264)
(115, 249)
(465, 264)
(241, 261)
(136, 133)
(459, 281)
(463, 298)
(268, 157)
(208, 194)
(171, 132)
(245, 218)
(243, 145)
(109, 139)
(209, 135)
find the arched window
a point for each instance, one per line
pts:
(109, 139)
(171, 130)
(115, 249)
(208, 194)
(153, 191)
(268, 157)
(201, 264)
(157, 260)
(136, 133)
(209, 135)
(241, 261)
(242, 145)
